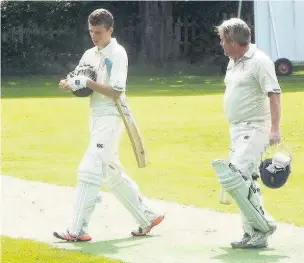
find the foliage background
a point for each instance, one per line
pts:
(46, 37)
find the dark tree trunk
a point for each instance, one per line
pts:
(157, 32)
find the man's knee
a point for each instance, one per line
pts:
(94, 165)
(247, 152)
(246, 159)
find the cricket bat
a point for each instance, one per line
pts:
(133, 131)
(225, 197)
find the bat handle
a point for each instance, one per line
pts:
(225, 197)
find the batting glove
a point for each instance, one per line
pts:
(77, 82)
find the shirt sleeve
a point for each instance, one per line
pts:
(119, 72)
(82, 60)
(266, 76)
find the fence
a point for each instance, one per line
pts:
(35, 49)
(187, 30)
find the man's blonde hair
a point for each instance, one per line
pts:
(235, 30)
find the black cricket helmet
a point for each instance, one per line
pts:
(84, 70)
(275, 169)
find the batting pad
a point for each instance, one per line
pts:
(246, 224)
(243, 194)
(126, 191)
(87, 195)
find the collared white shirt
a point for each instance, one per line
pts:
(248, 82)
(111, 64)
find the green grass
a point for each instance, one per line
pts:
(45, 132)
(28, 251)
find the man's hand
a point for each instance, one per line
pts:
(274, 137)
(77, 82)
(63, 84)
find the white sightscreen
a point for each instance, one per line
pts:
(279, 28)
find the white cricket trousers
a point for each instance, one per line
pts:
(249, 141)
(100, 165)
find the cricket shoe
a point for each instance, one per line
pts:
(259, 239)
(69, 237)
(144, 231)
(242, 243)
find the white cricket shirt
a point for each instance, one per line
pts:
(248, 82)
(111, 64)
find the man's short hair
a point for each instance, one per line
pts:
(101, 17)
(235, 30)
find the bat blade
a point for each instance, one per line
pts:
(133, 132)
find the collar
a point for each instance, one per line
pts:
(107, 49)
(250, 52)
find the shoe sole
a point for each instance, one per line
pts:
(239, 245)
(250, 247)
(55, 234)
(264, 245)
(258, 246)
(154, 223)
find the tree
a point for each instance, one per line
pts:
(157, 32)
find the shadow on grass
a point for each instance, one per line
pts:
(47, 86)
(110, 247)
(249, 256)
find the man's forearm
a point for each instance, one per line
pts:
(104, 89)
(275, 110)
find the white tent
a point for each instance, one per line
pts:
(279, 32)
